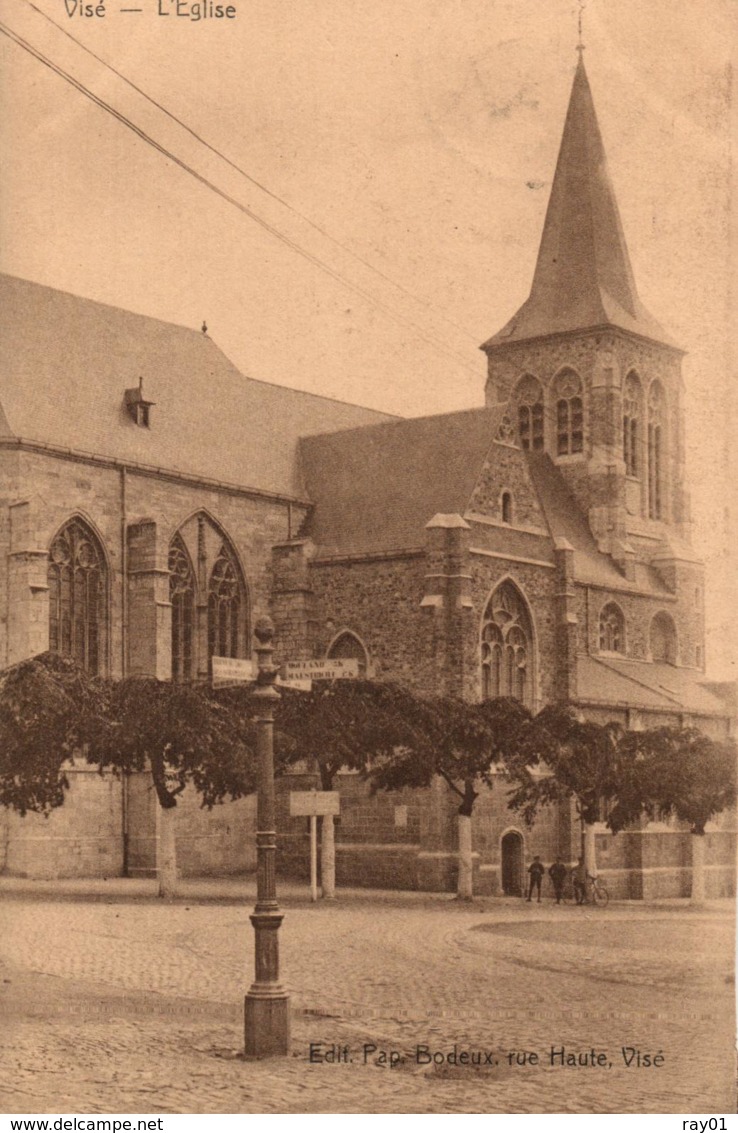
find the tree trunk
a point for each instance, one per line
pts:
(328, 857)
(590, 853)
(166, 850)
(464, 888)
(697, 898)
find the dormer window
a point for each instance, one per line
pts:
(137, 405)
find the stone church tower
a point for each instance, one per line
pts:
(593, 379)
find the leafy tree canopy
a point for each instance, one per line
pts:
(45, 703)
(680, 771)
(52, 710)
(562, 757)
(345, 724)
(461, 742)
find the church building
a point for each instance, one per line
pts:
(154, 502)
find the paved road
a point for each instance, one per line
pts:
(136, 1006)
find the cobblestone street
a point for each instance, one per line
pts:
(126, 1004)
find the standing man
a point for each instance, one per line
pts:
(579, 877)
(557, 873)
(536, 870)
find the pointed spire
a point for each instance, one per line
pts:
(583, 276)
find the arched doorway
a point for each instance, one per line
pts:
(512, 864)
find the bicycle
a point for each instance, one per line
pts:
(596, 892)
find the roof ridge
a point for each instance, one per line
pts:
(394, 421)
(199, 336)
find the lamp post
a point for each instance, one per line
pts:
(267, 1005)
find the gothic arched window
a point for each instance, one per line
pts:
(78, 605)
(656, 420)
(631, 424)
(182, 597)
(507, 642)
(529, 396)
(663, 639)
(226, 607)
(347, 647)
(612, 629)
(569, 414)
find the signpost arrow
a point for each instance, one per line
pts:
(321, 670)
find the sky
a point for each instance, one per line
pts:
(409, 148)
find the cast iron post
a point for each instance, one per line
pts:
(267, 1005)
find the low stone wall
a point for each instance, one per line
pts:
(82, 838)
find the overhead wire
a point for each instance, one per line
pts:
(20, 41)
(271, 229)
(253, 180)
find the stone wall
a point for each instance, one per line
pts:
(82, 838)
(134, 516)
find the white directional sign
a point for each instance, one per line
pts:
(321, 670)
(300, 685)
(314, 803)
(232, 671)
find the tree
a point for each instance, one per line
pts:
(564, 757)
(681, 772)
(184, 734)
(463, 744)
(46, 703)
(341, 724)
(52, 711)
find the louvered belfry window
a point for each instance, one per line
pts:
(656, 417)
(529, 395)
(569, 414)
(631, 425)
(77, 580)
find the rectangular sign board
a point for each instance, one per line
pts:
(232, 671)
(300, 685)
(321, 670)
(314, 803)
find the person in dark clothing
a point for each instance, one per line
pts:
(536, 870)
(579, 878)
(557, 873)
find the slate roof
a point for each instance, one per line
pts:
(646, 684)
(375, 488)
(66, 362)
(566, 520)
(583, 276)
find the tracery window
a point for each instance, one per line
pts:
(225, 607)
(182, 597)
(656, 419)
(77, 579)
(507, 646)
(529, 396)
(347, 647)
(612, 629)
(663, 639)
(631, 424)
(569, 414)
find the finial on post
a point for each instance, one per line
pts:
(264, 630)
